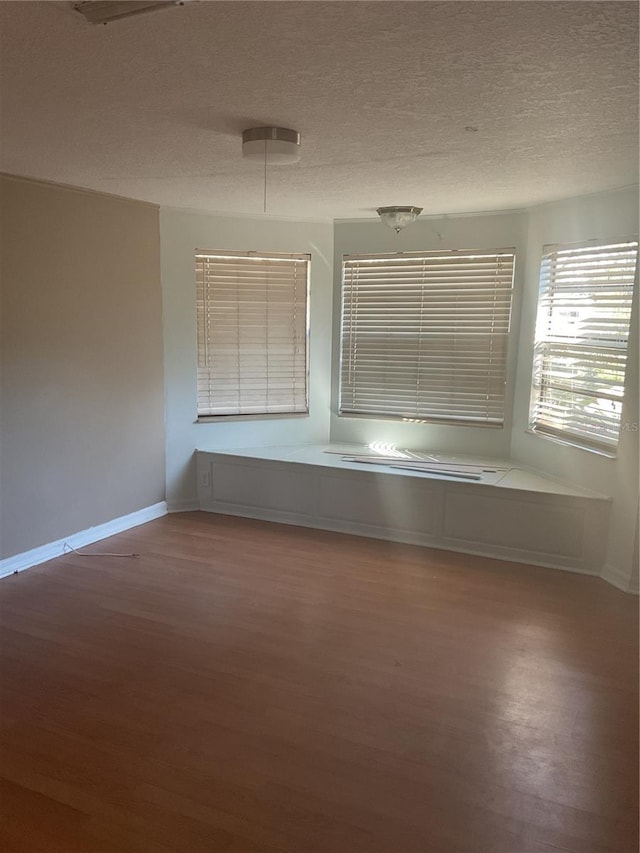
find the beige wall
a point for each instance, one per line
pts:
(81, 417)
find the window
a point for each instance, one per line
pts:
(252, 333)
(424, 335)
(582, 332)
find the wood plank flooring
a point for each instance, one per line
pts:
(255, 688)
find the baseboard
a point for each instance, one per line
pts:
(183, 506)
(619, 579)
(528, 558)
(27, 559)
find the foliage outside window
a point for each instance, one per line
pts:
(582, 334)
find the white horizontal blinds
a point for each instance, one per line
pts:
(252, 333)
(582, 333)
(424, 335)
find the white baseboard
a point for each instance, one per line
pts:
(619, 579)
(479, 549)
(20, 562)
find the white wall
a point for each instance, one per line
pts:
(181, 234)
(481, 231)
(604, 216)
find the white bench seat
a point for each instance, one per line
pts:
(504, 511)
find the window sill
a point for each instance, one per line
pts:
(423, 421)
(217, 419)
(567, 442)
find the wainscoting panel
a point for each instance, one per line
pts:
(263, 485)
(395, 503)
(528, 524)
(545, 526)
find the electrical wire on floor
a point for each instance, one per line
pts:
(66, 548)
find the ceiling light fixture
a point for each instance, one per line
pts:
(106, 11)
(273, 146)
(398, 217)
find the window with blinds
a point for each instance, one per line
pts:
(582, 333)
(252, 333)
(424, 335)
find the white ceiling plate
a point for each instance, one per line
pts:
(153, 107)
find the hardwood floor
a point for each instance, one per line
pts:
(254, 688)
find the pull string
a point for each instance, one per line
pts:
(265, 177)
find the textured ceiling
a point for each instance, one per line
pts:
(152, 107)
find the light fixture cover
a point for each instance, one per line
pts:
(397, 217)
(280, 145)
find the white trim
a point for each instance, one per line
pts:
(494, 552)
(618, 578)
(20, 562)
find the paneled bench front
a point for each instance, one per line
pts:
(509, 513)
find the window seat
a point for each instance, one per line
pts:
(492, 507)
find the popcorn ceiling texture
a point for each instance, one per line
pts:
(153, 107)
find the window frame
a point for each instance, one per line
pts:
(299, 257)
(426, 417)
(567, 437)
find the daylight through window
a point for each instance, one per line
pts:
(582, 333)
(252, 333)
(424, 335)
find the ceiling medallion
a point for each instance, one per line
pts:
(273, 146)
(279, 145)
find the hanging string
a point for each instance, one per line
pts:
(265, 177)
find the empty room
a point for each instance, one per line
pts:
(319, 428)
